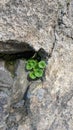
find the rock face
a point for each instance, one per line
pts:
(28, 21)
(37, 105)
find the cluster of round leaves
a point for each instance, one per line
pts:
(35, 68)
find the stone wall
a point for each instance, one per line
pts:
(46, 24)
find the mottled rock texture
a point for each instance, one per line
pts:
(48, 104)
(29, 21)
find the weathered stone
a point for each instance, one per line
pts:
(11, 123)
(14, 47)
(28, 21)
(6, 80)
(24, 126)
(55, 108)
(4, 109)
(46, 24)
(20, 82)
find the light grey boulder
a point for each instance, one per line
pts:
(28, 21)
(20, 82)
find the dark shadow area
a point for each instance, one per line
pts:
(14, 46)
(11, 59)
(15, 56)
(12, 50)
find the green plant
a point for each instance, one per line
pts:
(35, 68)
(32, 75)
(31, 64)
(42, 64)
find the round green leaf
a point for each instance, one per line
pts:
(42, 64)
(32, 62)
(32, 75)
(28, 66)
(38, 72)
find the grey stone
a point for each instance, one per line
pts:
(28, 21)
(4, 109)
(6, 79)
(47, 24)
(20, 82)
(11, 123)
(55, 108)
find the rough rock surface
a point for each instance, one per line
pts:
(28, 21)
(48, 104)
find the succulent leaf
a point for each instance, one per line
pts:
(36, 68)
(32, 75)
(28, 66)
(32, 62)
(38, 73)
(42, 64)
